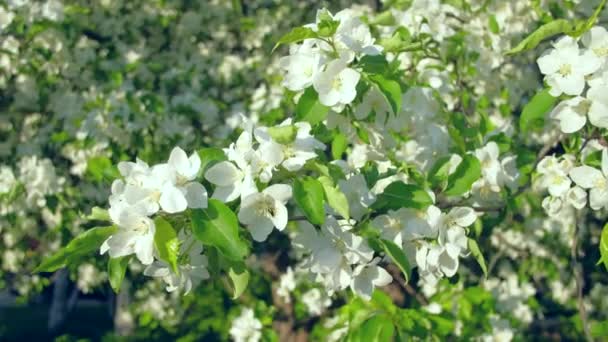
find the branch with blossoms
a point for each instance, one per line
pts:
(373, 172)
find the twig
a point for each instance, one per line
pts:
(396, 274)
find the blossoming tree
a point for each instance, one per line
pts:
(418, 170)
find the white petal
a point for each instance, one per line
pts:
(227, 193)
(260, 229)
(448, 265)
(362, 286)
(382, 277)
(586, 176)
(605, 162)
(178, 159)
(463, 216)
(196, 195)
(280, 216)
(598, 114)
(223, 174)
(172, 200)
(598, 198)
(280, 192)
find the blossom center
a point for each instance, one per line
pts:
(565, 70)
(265, 207)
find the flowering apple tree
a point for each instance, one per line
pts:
(419, 170)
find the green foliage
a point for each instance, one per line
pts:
(166, 243)
(217, 226)
(117, 267)
(546, 31)
(283, 134)
(239, 277)
(467, 172)
(210, 156)
(476, 252)
(310, 197)
(309, 108)
(604, 247)
(533, 114)
(390, 89)
(400, 195)
(334, 197)
(83, 244)
(397, 256)
(296, 35)
(101, 169)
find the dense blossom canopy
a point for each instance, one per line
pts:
(395, 170)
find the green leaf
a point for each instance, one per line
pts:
(210, 156)
(335, 198)
(309, 196)
(390, 89)
(604, 247)
(166, 243)
(101, 168)
(218, 226)
(399, 41)
(546, 31)
(400, 195)
(467, 172)
(534, 111)
(338, 146)
(439, 172)
(239, 276)
(296, 35)
(589, 23)
(493, 24)
(379, 328)
(474, 248)
(326, 25)
(98, 214)
(117, 267)
(309, 108)
(385, 18)
(397, 256)
(283, 134)
(85, 243)
(374, 64)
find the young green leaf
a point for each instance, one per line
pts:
(117, 267)
(439, 171)
(533, 114)
(400, 195)
(338, 146)
(476, 252)
(283, 134)
(467, 172)
(397, 256)
(296, 35)
(218, 226)
(210, 156)
(98, 214)
(309, 196)
(604, 247)
(101, 168)
(239, 276)
(377, 329)
(81, 245)
(309, 108)
(166, 243)
(335, 198)
(390, 89)
(546, 31)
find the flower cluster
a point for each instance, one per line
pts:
(572, 71)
